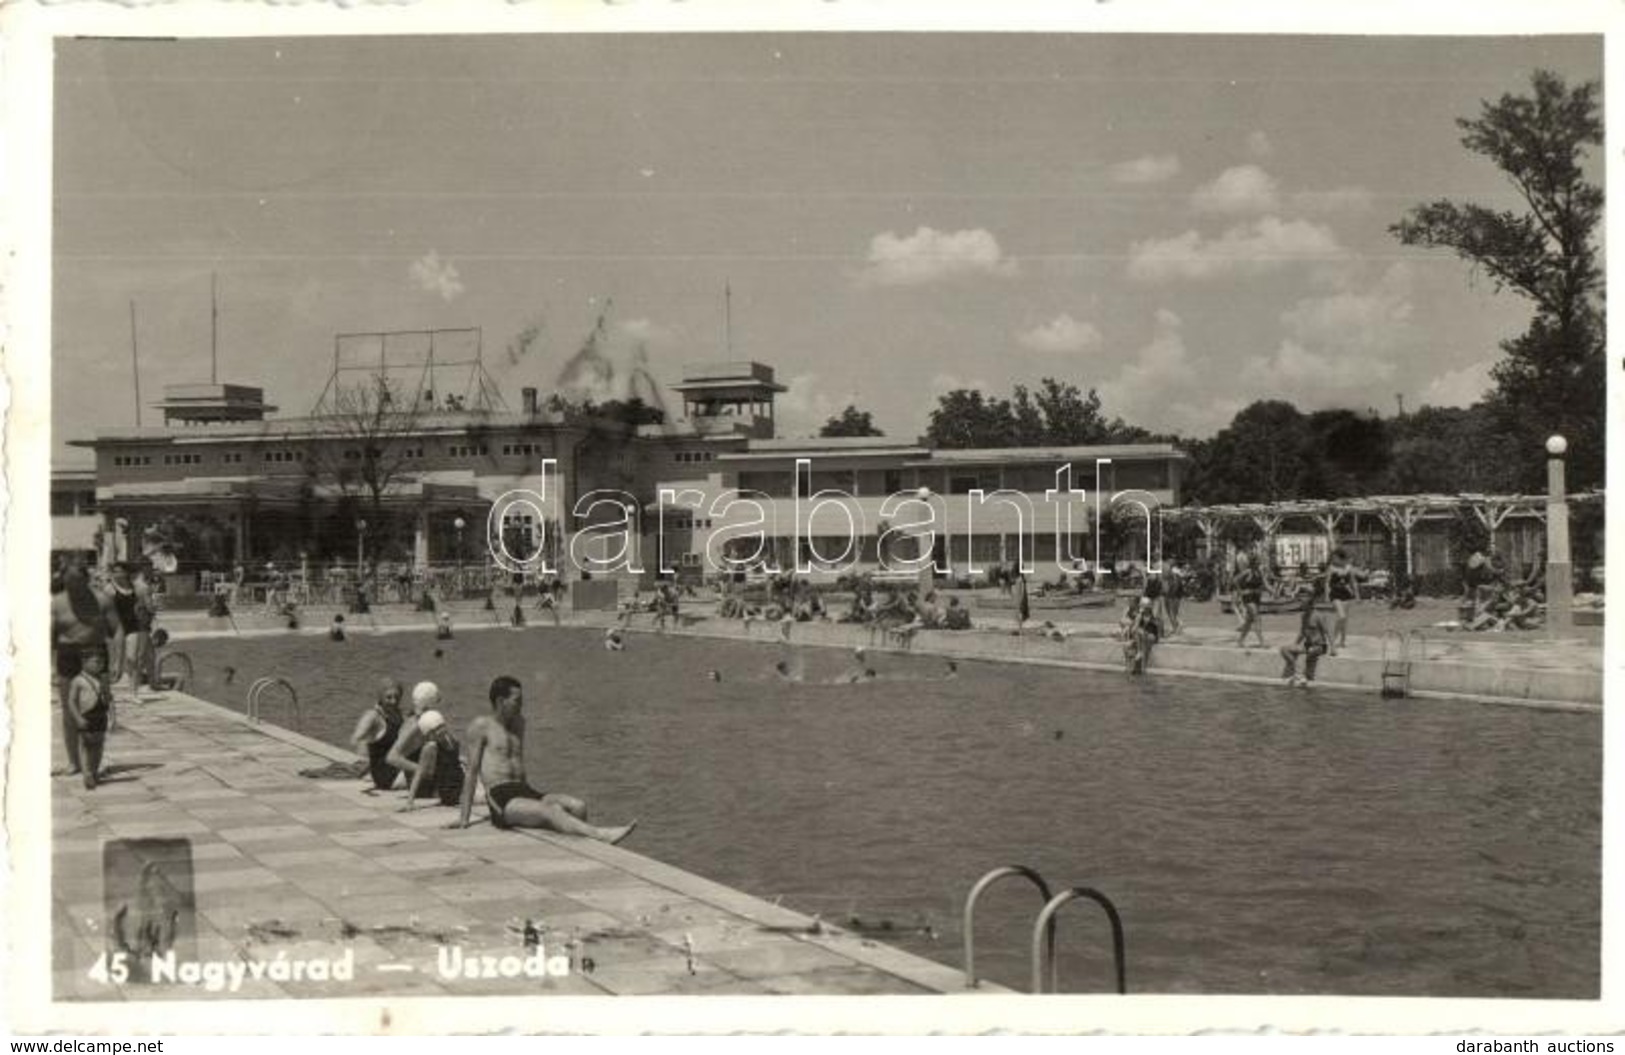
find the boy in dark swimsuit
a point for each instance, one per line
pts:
(90, 699)
(82, 622)
(497, 759)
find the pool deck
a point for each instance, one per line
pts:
(1524, 669)
(284, 864)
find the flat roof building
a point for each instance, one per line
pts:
(225, 480)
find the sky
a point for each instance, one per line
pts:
(1185, 223)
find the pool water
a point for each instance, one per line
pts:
(1256, 839)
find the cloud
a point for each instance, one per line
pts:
(1460, 388)
(1373, 321)
(1149, 169)
(1165, 388)
(929, 255)
(1340, 349)
(803, 409)
(1337, 199)
(1061, 334)
(1249, 249)
(436, 276)
(645, 332)
(1314, 380)
(1241, 190)
(942, 384)
(1259, 145)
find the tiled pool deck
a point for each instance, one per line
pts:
(287, 864)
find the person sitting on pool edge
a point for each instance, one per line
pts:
(405, 754)
(376, 732)
(496, 744)
(1313, 641)
(439, 771)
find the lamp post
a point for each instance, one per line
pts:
(360, 559)
(1559, 574)
(459, 524)
(1100, 509)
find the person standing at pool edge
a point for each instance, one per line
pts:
(1249, 594)
(496, 746)
(1341, 588)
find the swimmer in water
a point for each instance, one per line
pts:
(614, 640)
(713, 675)
(443, 628)
(335, 632)
(784, 670)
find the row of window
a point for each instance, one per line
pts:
(687, 522)
(689, 457)
(289, 457)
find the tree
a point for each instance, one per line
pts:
(1552, 379)
(1056, 413)
(1446, 450)
(362, 449)
(1263, 455)
(851, 422)
(965, 418)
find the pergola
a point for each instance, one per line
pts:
(1400, 513)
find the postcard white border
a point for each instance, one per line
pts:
(25, 398)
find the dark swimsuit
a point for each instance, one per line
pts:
(124, 606)
(497, 798)
(95, 718)
(1340, 587)
(383, 774)
(447, 785)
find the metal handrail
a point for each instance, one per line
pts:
(1045, 928)
(256, 690)
(982, 884)
(184, 680)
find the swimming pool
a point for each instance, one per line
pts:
(1256, 839)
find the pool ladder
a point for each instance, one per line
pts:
(1396, 664)
(179, 681)
(1043, 946)
(258, 690)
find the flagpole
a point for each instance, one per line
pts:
(135, 366)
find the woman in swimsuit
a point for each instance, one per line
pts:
(1249, 593)
(376, 731)
(1341, 588)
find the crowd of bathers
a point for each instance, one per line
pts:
(1492, 600)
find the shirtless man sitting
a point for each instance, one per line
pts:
(496, 748)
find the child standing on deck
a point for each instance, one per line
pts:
(90, 699)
